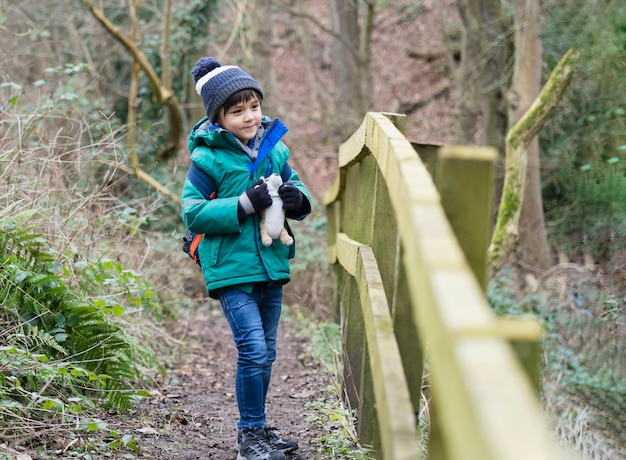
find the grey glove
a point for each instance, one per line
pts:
(255, 198)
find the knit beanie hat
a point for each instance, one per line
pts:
(215, 83)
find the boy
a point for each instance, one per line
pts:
(236, 147)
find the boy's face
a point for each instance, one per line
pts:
(242, 119)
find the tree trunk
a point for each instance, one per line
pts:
(365, 54)
(261, 64)
(349, 103)
(533, 241)
(465, 81)
(482, 78)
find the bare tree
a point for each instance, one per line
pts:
(497, 81)
(164, 94)
(351, 60)
(483, 76)
(533, 240)
(260, 60)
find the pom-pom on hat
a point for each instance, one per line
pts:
(215, 83)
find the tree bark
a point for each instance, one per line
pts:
(482, 78)
(346, 67)
(133, 90)
(365, 53)
(466, 81)
(534, 250)
(260, 62)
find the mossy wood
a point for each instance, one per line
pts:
(518, 138)
(407, 286)
(387, 383)
(465, 183)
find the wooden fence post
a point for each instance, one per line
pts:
(465, 182)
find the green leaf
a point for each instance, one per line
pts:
(49, 404)
(74, 409)
(59, 319)
(91, 424)
(61, 337)
(10, 403)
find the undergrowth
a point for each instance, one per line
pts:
(584, 367)
(77, 330)
(330, 413)
(65, 351)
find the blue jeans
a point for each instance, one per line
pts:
(253, 319)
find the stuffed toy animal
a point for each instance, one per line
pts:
(273, 218)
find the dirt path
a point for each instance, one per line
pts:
(194, 414)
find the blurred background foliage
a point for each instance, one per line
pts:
(584, 145)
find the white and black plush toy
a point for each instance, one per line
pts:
(273, 218)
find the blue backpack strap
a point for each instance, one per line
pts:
(285, 174)
(202, 181)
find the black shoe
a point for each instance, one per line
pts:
(255, 445)
(284, 445)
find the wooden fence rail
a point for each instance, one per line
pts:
(409, 251)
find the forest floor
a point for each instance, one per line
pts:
(193, 413)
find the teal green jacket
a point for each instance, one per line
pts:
(231, 253)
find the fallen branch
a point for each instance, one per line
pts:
(437, 90)
(429, 56)
(519, 137)
(147, 178)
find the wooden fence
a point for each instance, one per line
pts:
(408, 238)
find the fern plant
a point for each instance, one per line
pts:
(42, 316)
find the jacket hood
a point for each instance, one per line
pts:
(205, 133)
